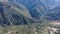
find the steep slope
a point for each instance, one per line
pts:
(42, 8)
(11, 15)
(24, 11)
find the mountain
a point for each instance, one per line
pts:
(11, 14)
(28, 11)
(48, 9)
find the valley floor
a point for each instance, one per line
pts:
(29, 29)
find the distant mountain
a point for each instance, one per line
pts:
(50, 9)
(27, 11)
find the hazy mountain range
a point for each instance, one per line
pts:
(28, 11)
